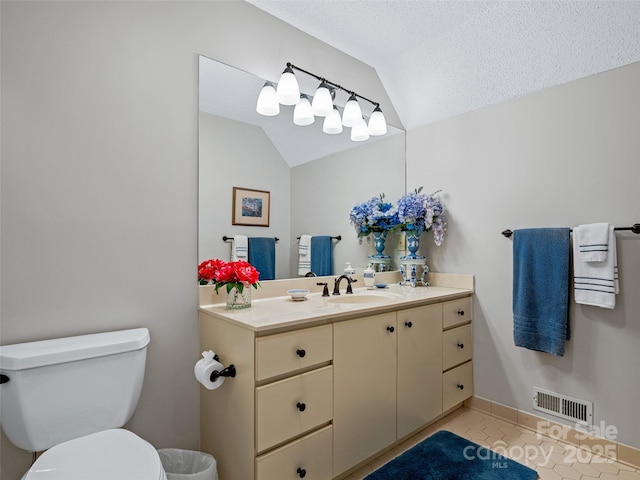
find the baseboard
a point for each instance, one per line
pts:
(596, 445)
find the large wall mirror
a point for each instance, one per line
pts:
(313, 179)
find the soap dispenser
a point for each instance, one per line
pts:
(369, 276)
(348, 269)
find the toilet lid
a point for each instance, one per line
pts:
(115, 454)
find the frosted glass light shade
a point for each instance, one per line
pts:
(267, 104)
(322, 104)
(302, 114)
(352, 112)
(377, 122)
(288, 91)
(332, 123)
(360, 132)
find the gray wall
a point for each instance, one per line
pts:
(561, 157)
(99, 176)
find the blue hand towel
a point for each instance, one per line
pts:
(262, 255)
(541, 289)
(321, 255)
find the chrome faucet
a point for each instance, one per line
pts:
(336, 288)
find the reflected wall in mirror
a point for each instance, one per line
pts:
(314, 179)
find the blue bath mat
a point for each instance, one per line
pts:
(446, 456)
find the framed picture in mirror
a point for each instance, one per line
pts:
(251, 207)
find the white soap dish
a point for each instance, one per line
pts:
(298, 294)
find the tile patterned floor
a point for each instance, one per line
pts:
(552, 459)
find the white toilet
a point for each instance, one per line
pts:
(70, 396)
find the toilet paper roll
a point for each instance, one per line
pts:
(203, 370)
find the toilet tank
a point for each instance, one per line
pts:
(60, 389)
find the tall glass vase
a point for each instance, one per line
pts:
(237, 299)
(379, 239)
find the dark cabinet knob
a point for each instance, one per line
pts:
(301, 472)
(390, 329)
(461, 312)
(408, 324)
(301, 353)
(460, 346)
(460, 386)
(301, 406)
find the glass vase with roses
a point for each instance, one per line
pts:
(237, 277)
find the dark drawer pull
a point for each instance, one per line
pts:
(461, 346)
(408, 324)
(390, 329)
(460, 386)
(301, 472)
(301, 353)
(301, 406)
(461, 312)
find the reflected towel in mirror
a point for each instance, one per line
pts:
(304, 255)
(322, 255)
(239, 248)
(262, 255)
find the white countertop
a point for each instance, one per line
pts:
(276, 313)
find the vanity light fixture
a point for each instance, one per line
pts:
(288, 93)
(322, 104)
(302, 114)
(360, 132)
(352, 112)
(332, 123)
(377, 123)
(267, 103)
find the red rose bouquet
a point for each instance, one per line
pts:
(232, 274)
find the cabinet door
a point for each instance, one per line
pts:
(364, 373)
(419, 367)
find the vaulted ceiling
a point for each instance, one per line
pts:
(438, 59)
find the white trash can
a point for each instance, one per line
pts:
(188, 464)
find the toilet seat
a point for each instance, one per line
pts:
(115, 454)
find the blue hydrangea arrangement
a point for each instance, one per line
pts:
(420, 212)
(374, 215)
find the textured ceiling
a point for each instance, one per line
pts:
(438, 59)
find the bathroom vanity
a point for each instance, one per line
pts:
(326, 384)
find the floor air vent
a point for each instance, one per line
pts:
(563, 406)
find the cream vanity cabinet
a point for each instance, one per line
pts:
(314, 401)
(273, 420)
(387, 380)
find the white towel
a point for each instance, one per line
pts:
(240, 248)
(596, 283)
(304, 255)
(593, 242)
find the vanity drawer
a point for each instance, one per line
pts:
(308, 457)
(293, 406)
(291, 351)
(457, 346)
(457, 385)
(456, 312)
